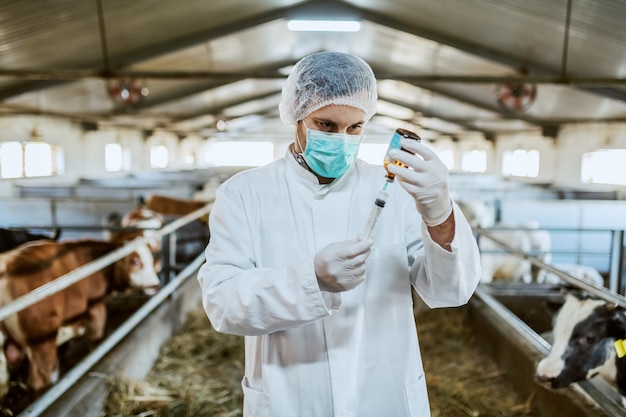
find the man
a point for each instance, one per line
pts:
(327, 315)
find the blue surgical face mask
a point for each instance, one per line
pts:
(330, 155)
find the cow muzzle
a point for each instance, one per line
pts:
(554, 383)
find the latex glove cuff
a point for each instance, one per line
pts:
(439, 220)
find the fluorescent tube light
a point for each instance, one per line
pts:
(324, 25)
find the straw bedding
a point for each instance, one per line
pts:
(199, 371)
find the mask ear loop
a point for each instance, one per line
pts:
(298, 139)
(298, 155)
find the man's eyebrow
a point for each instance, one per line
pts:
(326, 120)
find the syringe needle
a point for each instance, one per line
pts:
(379, 204)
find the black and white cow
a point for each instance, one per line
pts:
(12, 238)
(585, 331)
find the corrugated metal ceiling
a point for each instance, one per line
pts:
(439, 62)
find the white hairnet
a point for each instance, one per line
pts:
(325, 78)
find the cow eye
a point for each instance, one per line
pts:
(135, 261)
(586, 340)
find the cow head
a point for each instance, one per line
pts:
(139, 218)
(136, 272)
(585, 330)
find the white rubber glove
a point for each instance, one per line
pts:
(341, 266)
(426, 181)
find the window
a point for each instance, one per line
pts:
(116, 158)
(113, 157)
(447, 157)
(30, 159)
(239, 153)
(374, 153)
(11, 160)
(189, 158)
(520, 163)
(474, 161)
(159, 156)
(603, 166)
(37, 159)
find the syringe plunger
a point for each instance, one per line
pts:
(379, 204)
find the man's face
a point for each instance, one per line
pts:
(333, 119)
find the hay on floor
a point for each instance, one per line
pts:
(199, 373)
(462, 380)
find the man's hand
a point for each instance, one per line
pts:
(341, 266)
(426, 181)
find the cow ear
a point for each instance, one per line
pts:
(553, 304)
(113, 220)
(566, 290)
(618, 319)
(619, 314)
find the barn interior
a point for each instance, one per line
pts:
(483, 76)
(489, 76)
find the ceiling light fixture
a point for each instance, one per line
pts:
(324, 25)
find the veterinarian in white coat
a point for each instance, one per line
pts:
(327, 316)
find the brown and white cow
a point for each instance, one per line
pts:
(36, 331)
(176, 207)
(152, 213)
(584, 334)
(190, 239)
(139, 222)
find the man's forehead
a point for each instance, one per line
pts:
(339, 114)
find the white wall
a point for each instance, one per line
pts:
(62, 133)
(560, 157)
(84, 151)
(576, 139)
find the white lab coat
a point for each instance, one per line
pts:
(311, 353)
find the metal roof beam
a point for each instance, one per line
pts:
(509, 60)
(466, 123)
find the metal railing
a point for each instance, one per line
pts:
(84, 271)
(615, 277)
(595, 391)
(72, 377)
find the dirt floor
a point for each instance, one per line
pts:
(199, 373)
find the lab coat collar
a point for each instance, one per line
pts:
(309, 179)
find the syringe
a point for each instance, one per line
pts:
(379, 204)
(381, 198)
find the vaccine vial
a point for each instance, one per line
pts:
(397, 137)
